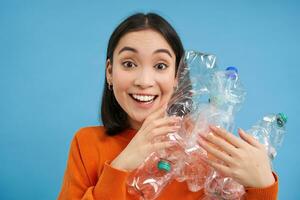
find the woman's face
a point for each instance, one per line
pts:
(142, 74)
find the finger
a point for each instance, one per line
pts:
(162, 145)
(221, 143)
(162, 131)
(218, 167)
(162, 122)
(248, 138)
(237, 142)
(216, 153)
(159, 113)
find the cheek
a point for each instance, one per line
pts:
(167, 85)
(121, 84)
(121, 80)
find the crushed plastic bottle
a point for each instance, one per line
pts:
(227, 95)
(149, 179)
(270, 132)
(194, 72)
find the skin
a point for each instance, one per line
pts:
(244, 158)
(146, 66)
(144, 63)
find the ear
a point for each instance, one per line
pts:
(109, 72)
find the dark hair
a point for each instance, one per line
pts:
(114, 118)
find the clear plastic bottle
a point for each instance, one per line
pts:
(227, 95)
(194, 74)
(270, 131)
(195, 170)
(148, 180)
(219, 187)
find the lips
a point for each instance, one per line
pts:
(143, 98)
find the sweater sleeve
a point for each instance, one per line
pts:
(78, 186)
(266, 193)
(111, 184)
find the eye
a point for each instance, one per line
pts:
(161, 66)
(128, 64)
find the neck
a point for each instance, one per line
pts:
(135, 125)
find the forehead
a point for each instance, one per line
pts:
(145, 41)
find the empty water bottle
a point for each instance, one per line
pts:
(148, 180)
(270, 131)
(227, 95)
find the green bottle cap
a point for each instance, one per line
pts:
(281, 119)
(164, 165)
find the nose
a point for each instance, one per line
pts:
(145, 78)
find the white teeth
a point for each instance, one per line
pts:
(142, 97)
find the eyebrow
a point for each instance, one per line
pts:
(163, 51)
(126, 48)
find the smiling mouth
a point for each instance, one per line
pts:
(143, 98)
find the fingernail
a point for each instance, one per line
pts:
(241, 131)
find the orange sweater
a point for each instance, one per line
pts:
(89, 176)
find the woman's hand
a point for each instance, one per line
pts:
(142, 145)
(243, 159)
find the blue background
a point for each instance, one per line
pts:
(52, 56)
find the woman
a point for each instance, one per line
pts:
(142, 59)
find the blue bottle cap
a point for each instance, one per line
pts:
(232, 68)
(232, 72)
